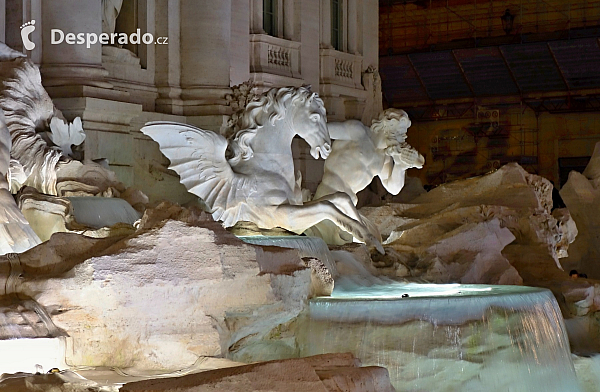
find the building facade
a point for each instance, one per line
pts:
(199, 50)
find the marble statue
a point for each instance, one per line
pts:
(15, 233)
(64, 134)
(374, 103)
(114, 52)
(7, 53)
(34, 122)
(251, 176)
(28, 108)
(110, 12)
(358, 155)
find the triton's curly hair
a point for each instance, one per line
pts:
(391, 121)
(270, 106)
(390, 116)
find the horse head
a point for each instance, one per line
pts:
(309, 121)
(288, 110)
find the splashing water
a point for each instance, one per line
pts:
(445, 337)
(307, 246)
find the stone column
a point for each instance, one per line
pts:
(326, 23)
(352, 27)
(205, 57)
(309, 34)
(75, 78)
(240, 41)
(289, 20)
(3, 21)
(13, 13)
(168, 57)
(72, 65)
(256, 13)
(369, 43)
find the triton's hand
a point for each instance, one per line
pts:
(408, 157)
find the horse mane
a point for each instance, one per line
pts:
(270, 106)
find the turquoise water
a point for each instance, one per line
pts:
(447, 337)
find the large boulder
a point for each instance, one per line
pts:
(457, 232)
(322, 373)
(325, 373)
(581, 195)
(175, 290)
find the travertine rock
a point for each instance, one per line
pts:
(166, 295)
(54, 382)
(321, 279)
(457, 231)
(581, 195)
(472, 254)
(304, 374)
(387, 217)
(580, 300)
(567, 229)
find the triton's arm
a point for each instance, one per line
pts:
(392, 176)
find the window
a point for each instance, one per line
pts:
(336, 24)
(270, 17)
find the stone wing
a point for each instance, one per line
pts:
(198, 156)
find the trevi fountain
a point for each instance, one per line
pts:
(262, 285)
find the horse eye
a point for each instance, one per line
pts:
(314, 117)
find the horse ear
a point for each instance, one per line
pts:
(310, 95)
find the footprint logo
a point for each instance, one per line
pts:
(26, 31)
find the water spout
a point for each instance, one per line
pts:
(307, 247)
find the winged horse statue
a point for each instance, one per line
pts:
(250, 177)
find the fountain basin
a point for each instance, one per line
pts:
(98, 212)
(447, 337)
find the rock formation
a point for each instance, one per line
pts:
(324, 373)
(581, 195)
(168, 294)
(462, 231)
